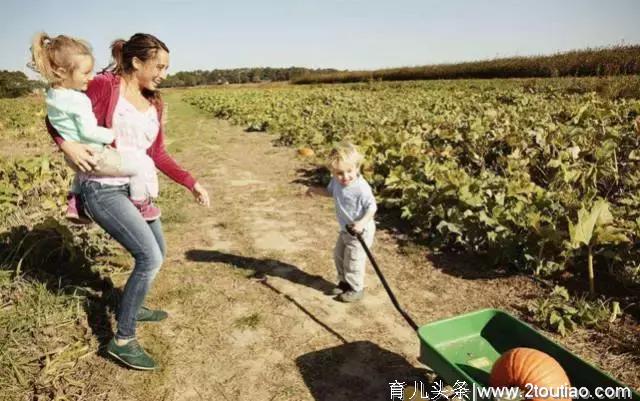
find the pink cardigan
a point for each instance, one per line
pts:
(104, 91)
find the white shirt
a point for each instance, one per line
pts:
(135, 131)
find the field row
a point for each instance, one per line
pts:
(533, 177)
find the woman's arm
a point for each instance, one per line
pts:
(165, 163)
(81, 156)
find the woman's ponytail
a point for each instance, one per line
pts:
(117, 52)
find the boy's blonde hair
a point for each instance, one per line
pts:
(345, 153)
(48, 54)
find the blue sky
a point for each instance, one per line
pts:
(345, 34)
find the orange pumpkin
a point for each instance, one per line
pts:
(306, 152)
(521, 366)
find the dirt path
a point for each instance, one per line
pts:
(230, 337)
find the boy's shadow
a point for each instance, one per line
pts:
(47, 253)
(262, 267)
(356, 371)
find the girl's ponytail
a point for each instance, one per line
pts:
(41, 57)
(48, 55)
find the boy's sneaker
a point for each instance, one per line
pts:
(340, 288)
(75, 210)
(131, 354)
(351, 296)
(147, 209)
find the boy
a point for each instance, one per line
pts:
(355, 205)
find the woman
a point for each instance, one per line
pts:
(125, 99)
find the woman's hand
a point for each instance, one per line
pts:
(201, 195)
(81, 156)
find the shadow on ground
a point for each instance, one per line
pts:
(356, 371)
(262, 267)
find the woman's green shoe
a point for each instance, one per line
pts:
(131, 354)
(150, 315)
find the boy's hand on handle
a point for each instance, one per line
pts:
(358, 227)
(201, 195)
(355, 229)
(81, 156)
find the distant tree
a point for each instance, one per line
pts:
(16, 83)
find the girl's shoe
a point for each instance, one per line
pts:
(75, 211)
(131, 354)
(147, 209)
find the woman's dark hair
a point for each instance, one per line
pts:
(143, 46)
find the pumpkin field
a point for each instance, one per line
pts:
(520, 194)
(531, 176)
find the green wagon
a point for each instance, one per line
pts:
(464, 348)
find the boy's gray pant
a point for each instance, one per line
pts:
(350, 257)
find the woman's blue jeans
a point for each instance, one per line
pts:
(110, 207)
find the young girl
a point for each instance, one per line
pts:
(356, 205)
(67, 65)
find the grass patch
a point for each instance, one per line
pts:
(248, 322)
(182, 293)
(41, 339)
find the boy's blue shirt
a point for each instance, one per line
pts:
(351, 201)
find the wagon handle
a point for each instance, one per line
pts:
(404, 314)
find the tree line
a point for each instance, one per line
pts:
(239, 75)
(607, 61)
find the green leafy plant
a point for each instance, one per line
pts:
(595, 227)
(563, 314)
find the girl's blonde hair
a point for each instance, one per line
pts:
(49, 54)
(345, 153)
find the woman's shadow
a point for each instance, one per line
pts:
(47, 253)
(262, 267)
